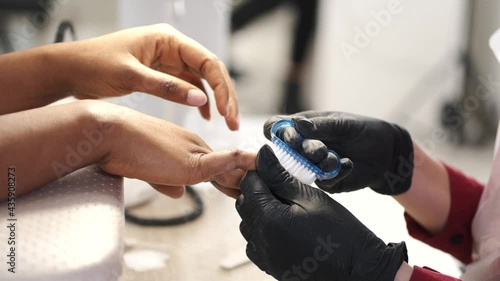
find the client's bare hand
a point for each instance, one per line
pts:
(156, 59)
(47, 143)
(168, 156)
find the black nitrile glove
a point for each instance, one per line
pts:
(297, 232)
(382, 152)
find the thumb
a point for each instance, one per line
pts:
(169, 87)
(279, 181)
(256, 201)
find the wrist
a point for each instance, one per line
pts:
(32, 79)
(404, 273)
(403, 159)
(51, 62)
(64, 67)
(101, 119)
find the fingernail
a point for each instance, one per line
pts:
(228, 110)
(196, 97)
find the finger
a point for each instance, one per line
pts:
(301, 115)
(81, 96)
(323, 128)
(205, 111)
(196, 80)
(168, 87)
(232, 109)
(252, 187)
(253, 255)
(335, 185)
(169, 190)
(329, 163)
(231, 192)
(217, 163)
(279, 181)
(246, 231)
(317, 152)
(270, 122)
(230, 179)
(256, 200)
(292, 138)
(208, 66)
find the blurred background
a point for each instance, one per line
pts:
(425, 65)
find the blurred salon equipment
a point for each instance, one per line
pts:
(472, 117)
(33, 8)
(306, 12)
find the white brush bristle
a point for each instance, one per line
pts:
(294, 167)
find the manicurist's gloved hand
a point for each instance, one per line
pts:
(297, 232)
(381, 152)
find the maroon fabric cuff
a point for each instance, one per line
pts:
(456, 237)
(427, 274)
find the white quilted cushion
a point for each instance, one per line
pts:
(68, 230)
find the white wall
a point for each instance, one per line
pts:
(414, 40)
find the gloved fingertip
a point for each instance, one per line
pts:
(346, 164)
(247, 179)
(239, 202)
(269, 124)
(267, 132)
(268, 166)
(303, 124)
(345, 170)
(292, 138)
(265, 157)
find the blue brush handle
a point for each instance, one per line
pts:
(320, 174)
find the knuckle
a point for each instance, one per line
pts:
(170, 87)
(214, 58)
(195, 169)
(128, 76)
(165, 27)
(236, 156)
(210, 61)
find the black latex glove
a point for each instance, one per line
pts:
(316, 151)
(297, 232)
(382, 152)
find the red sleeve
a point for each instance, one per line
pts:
(427, 274)
(456, 237)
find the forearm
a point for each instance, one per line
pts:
(428, 200)
(32, 78)
(46, 143)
